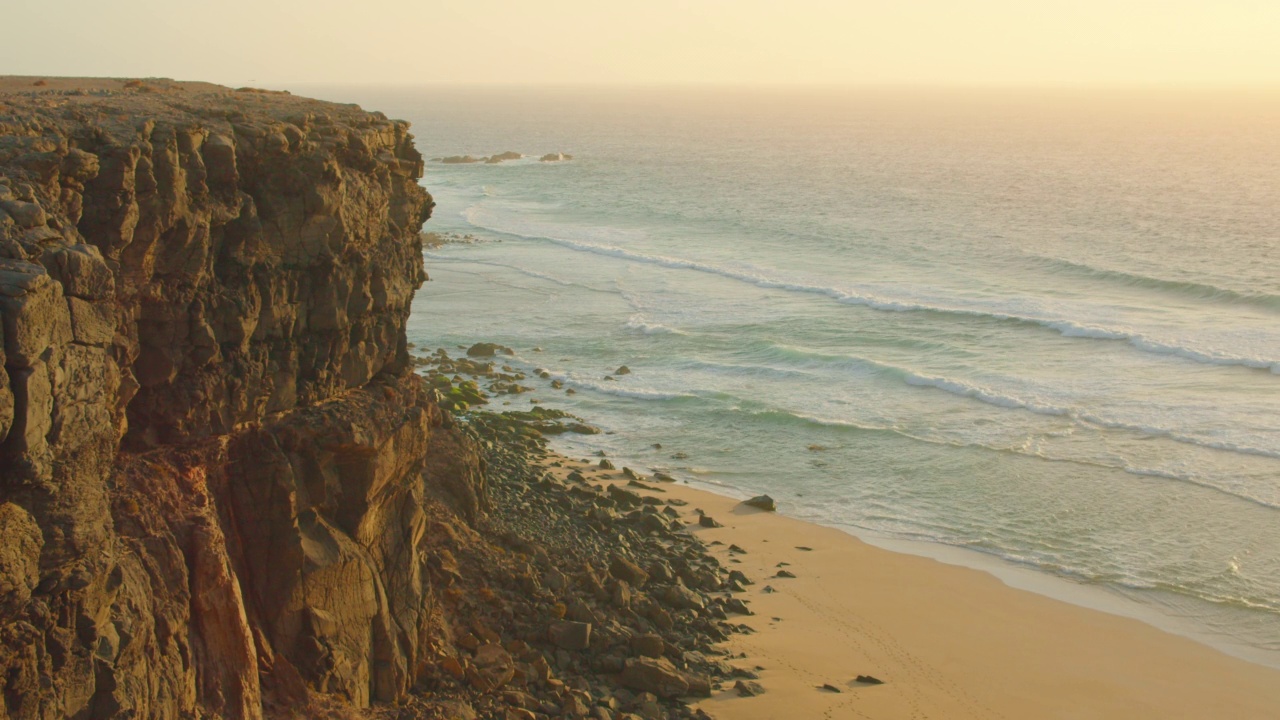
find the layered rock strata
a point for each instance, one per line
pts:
(217, 469)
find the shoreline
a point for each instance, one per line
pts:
(947, 640)
(1099, 598)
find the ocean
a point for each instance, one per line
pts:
(1036, 332)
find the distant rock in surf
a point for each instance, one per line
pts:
(500, 157)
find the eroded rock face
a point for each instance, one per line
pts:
(215, 466)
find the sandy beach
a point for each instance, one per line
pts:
(947, 641)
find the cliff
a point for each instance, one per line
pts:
(218, 474)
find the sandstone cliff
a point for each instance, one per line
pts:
(217, 472)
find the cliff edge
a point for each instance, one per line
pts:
(217, 471)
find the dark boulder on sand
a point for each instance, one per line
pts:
(764, 502)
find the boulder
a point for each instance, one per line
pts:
(569, 635)
(654, 675)
(491, 668)
(747, 688)
(485, 349)
(764, 502)
(625, 570)
(648, 645)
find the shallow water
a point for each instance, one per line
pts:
(1045, 327)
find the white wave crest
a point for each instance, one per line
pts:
(637, 323)
(1067, 328)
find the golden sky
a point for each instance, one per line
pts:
(933, 42)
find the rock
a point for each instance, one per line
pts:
(574, 707)
(484, 349)
(624, 569)
(570, 635)
(621, 595)
(746, 688)
(605, 464)
(785, 574)
(25, 214)
(491, 668)
(648, 645)
(20, 545)
(681, 597)
(654, 675)
(868, 680)
(623, 497)
(829, 687)
(454, 668)
(623, 370)
(707, 521)
(764, 502)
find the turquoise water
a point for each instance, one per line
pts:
(1041, 327)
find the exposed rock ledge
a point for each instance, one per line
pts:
(216, 467)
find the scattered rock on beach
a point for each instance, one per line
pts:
(746, 688)
(707, 521)
(623, 370)
(829, 687)
(868, 680)
(764, 502)
(785, 574)
(605, 464)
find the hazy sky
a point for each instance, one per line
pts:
(1180, 42)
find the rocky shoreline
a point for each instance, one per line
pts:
(590, 599)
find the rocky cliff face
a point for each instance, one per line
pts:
(217, 472)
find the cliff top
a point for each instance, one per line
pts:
(117, 104)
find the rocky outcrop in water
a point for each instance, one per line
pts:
(216, 467)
